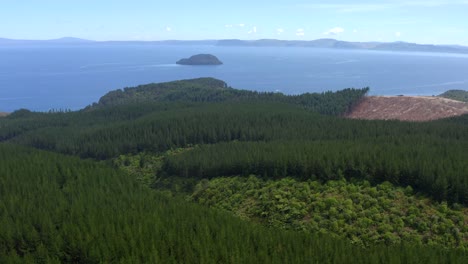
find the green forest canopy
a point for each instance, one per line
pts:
(227, 132)
(460, 95)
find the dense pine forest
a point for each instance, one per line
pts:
(195, 171)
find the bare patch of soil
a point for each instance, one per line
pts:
(407, 108)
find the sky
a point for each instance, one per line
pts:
(418, 21)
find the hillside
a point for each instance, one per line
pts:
(407, 108)
(75, 211)
(310, 185)
(211, 90)
(59, 41)
(2, 114)
(200, 59)
(338, 44)
(354, 209)
(460, 95)
(168, 91)
(328, 43)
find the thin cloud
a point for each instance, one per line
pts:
(300, 32)
(168, 29)
(279, 31)
(334, 31)
(253, 30)
(234, 25)
(453, 30)
(367, 7)
(347, 8)
(398, 34)
(433, 3)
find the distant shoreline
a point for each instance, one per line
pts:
(330, 43)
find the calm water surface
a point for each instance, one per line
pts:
(72, 77)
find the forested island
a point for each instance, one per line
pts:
(200, 59)
(195, 171)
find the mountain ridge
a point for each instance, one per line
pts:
(63, 40)
(317, 43)
(338, 44)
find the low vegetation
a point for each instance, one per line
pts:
(460, 95)
(340, 207)
(363, 213)
(59, 209)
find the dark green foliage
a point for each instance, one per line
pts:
(170, 91)
(91, 134)
(438, 170)
(119, 111)
(213, 90)
(157, 127)
(429, 156)
(57, 209)
(200, 59)
(459, 95)
(21, 113)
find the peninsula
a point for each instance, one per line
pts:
(200, 59)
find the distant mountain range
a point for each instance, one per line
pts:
(337, 44)
(319, 43)
(78, 41)
(66, 40)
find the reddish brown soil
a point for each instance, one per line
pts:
(408, 108)
(2, 114)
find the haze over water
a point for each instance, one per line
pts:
(71, 77)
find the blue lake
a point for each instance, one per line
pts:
(71, 77)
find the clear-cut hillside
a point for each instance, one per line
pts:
(407, 108)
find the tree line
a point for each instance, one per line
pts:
(429, 156)
(57, 209)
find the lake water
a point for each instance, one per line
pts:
(72, 77)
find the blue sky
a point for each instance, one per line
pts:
(420, 21)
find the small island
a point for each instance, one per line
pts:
(200, 59)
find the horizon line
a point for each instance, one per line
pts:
(248, 40)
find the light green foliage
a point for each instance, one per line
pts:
(59, 209)
(364, 214)
(460, 95)
(444, 178)
(141, 166)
